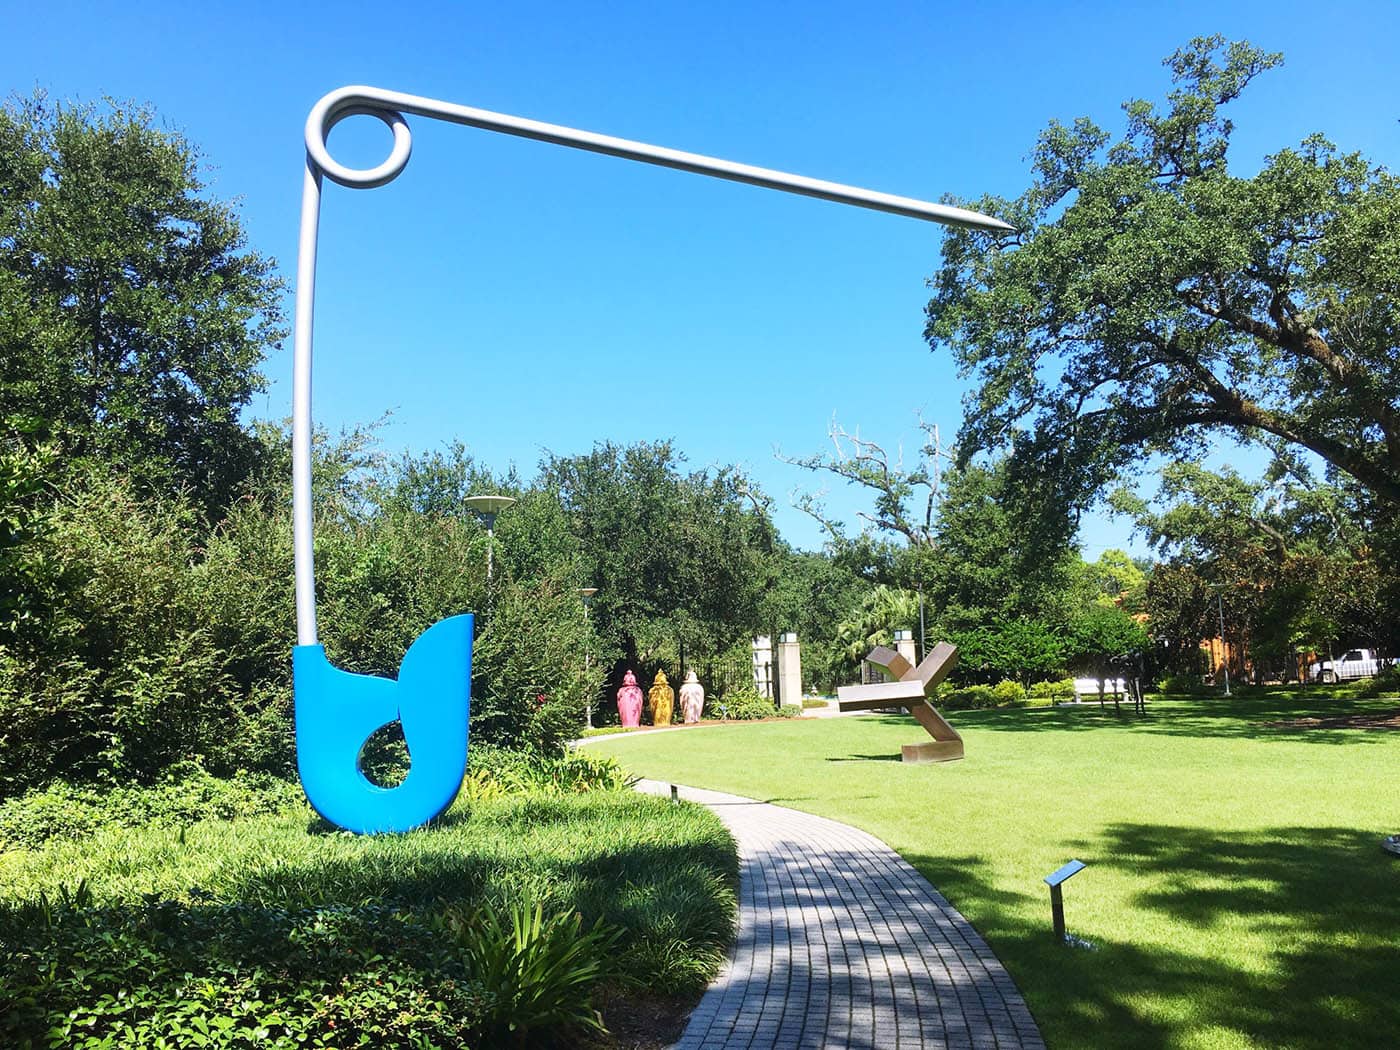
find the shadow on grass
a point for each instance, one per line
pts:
(866, 758)
(1323, 899)
(1246, 718)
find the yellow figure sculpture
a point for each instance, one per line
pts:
(660, 699)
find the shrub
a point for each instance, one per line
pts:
(272, 932)
(496, 772)
(536, 973)
(1007, 692)
(968, 697)
(1388, 681)
(148, 640)
(163, 974)
(1046, 694)
(747, 703)
(1183, 685)
(118, 672)
(185, 796)
(529, 682)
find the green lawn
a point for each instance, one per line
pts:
(1236, 891)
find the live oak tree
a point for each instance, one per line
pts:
(1288, 562)
(133, 315)
(678, 557)
(1153, 296)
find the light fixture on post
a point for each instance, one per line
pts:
(486, 508)
(587, 593)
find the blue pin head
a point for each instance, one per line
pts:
(337, 712)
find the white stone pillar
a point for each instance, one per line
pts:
(790, 669)
(904, 645)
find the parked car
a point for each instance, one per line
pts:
(1355, 663)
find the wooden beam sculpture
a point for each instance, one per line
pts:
(910, 689)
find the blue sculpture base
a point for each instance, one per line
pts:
(337, 712)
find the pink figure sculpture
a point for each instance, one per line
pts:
(629, 701)
(692, 698)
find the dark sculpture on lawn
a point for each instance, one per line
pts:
(912, 688)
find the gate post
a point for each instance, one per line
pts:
(763, 665)
(904, 646)
(789, 669)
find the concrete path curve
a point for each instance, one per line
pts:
(843, 944)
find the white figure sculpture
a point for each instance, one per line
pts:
(692, 698)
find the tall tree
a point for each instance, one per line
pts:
(1285, 561)
(1153, 296)
(677, 557)
(133, 316)
(981, 567)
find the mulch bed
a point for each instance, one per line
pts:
(640, 1022)
(1368, 720)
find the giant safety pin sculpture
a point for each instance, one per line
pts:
(336, 711)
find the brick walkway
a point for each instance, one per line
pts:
(843, 944)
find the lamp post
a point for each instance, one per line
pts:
(923, 647)
(1224, 646)
(587, 593)
(486, 508)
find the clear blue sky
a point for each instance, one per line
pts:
(523, 297)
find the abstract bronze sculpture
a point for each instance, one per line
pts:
(911, 688)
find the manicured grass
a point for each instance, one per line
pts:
(1236, 891)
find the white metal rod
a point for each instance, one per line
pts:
(301, 407)
(389, 106)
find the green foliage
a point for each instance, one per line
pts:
(537, 973)
(26, 470)
(882, 611)
(1100, 633)
(674, 555)
(529, 678)
(1021, 649)
(1008, 692)
(966, 698)
(746, 703)
(1117, 579)
(1289, 563)
(160, 973)
(152, 641)
(269, 928)
(956, 537)
(1384, 684)
(812, 595)
(1184, 685)
(133, 317)
(118, 674)
(1059, 689)
(183, 797)
(1005, 693)
(494, 773)
(984, 567)
(1151, 296)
